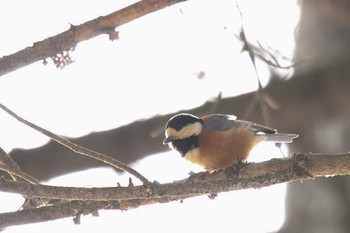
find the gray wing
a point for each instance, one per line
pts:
(225, 122)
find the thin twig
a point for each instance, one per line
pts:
(259, 96)
(79, 149)
(8, 165)
(268, 55)
(18, 174)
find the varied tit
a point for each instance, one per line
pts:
(217, 141)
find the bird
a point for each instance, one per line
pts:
(217, 141)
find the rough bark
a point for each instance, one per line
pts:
(73, 201)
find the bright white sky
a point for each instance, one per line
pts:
(152, 69)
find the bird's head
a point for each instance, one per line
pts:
(182, 126)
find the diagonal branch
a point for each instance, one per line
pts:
(251, 175)
(58, 47)
(8, 165)
(78, 149)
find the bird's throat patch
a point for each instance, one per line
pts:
(186, 145)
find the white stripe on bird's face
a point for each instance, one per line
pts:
(193, 129)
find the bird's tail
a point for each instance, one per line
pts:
(281, 137)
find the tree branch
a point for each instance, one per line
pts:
(58, 47)
(78, 149)
(63, 210)
(251, 175)
(8, 165)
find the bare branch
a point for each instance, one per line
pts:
(78, 149)
(8, 165)
(251, 175)
(58, 47)
(63, 210)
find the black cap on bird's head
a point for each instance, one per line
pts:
(182, 126)
(181, 120)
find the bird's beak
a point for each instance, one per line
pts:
(169, 139)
